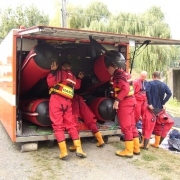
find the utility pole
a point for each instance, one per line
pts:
(63, 14)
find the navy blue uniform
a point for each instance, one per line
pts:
(156, 91)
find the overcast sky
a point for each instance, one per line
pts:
(169, 7)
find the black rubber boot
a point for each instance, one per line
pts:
(161, 140)
(146, 141)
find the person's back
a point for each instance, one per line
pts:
(62, 84)
(158, 93)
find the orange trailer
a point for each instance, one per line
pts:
(71, 44)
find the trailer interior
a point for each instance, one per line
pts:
(81, 48)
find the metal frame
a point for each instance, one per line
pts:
(74, 34)
(52, 137)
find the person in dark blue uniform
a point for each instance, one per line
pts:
(158, 93)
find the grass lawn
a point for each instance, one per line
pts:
(173, 107)
(160, 163)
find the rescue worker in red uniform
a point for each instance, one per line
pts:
(125, 104)
(141, 99)
(140, 95)
(158, 93)
(62, 83)
(82, 111)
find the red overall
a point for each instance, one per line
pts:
(154, 123)
(127, 104)
(141, 99)
(60, 108)
(80, 109)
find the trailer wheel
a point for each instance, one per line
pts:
(50, 143)
(32, 146)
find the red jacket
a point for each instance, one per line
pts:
(120, 80)
(139, 93)
(62, 76)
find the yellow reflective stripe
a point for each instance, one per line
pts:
(116, 89)
(66, 91)
(73, 82)
(131, 92)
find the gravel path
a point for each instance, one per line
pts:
(101, 163)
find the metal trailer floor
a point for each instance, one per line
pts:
(32, 132)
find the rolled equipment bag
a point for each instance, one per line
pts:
(100, 69)
(36, 111)
(103, 108)
(101, 63)
(37, 65)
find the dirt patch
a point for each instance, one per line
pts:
(100, 164)
(159, 162)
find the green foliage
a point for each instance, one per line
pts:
(160, 163)
(33, 17)
(26, 16)
(97, 17)
(156, 13)
(149, 157)
(154, 58)
(76, 18)
(96, 11)
(151, 23)
(56, 20)
(165, 168)
(173, 107)
(174, 102)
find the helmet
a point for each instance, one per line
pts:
(116, 57)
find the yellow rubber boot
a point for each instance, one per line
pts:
(63, 149)
(100, 139)
(128, 152)
(157, 141)
(79, 151)
(136, 150)
(73, 148)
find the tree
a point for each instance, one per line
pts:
(97, 11)
(154, 24)
(76, 17)
(81, 18)
(56, 20)
(25, 16)
(34, 17)
(150, 23)
(154, 58)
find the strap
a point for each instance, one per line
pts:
(64, 110)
